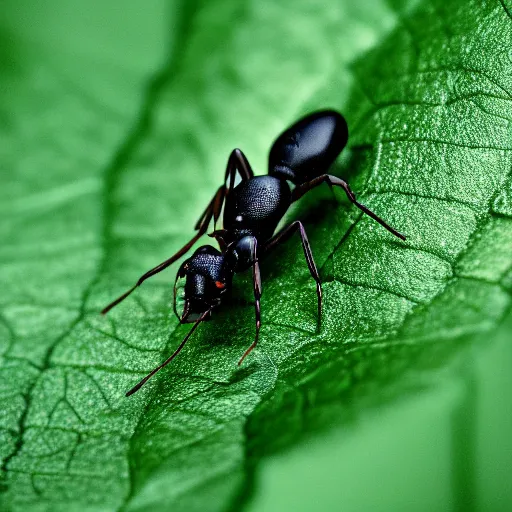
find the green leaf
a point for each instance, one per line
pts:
(113, 149)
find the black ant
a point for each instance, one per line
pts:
(252, 210)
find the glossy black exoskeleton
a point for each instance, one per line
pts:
(253, 208)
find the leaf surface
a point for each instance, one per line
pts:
(104, 192)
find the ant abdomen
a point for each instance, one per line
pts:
(309, 147)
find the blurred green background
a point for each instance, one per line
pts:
(446, 448)
(116, 119)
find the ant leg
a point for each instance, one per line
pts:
(214, 207)
(283, 235)
(169, 359)
(333, 180)
(202, 228)
(256, 279)
(237, 162)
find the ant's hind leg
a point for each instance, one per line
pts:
(337, 182)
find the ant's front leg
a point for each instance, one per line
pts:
(169, 359)
(236, 162)
(333, 180)
(202, 228)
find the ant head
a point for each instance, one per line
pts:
(200, 284)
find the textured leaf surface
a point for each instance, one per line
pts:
(102, 186)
